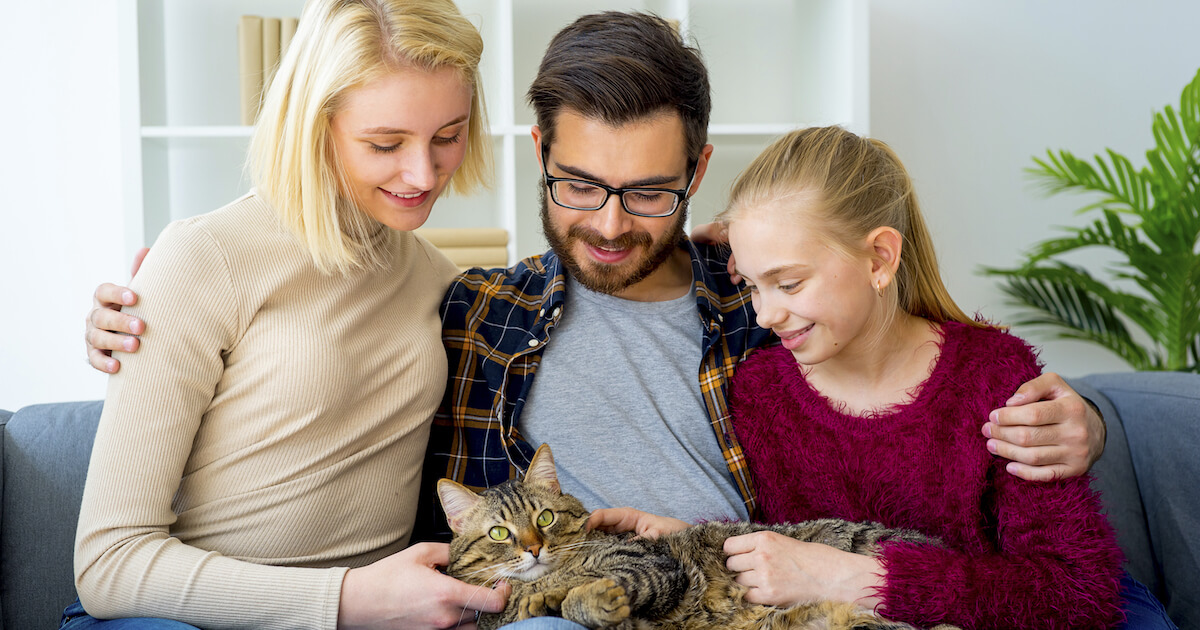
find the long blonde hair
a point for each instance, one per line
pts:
(341, 45)
(861, 185)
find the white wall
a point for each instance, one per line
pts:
(60, 192)
(968, 92)
(965, 91)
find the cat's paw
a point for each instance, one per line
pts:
(597, 604)
(540, 604)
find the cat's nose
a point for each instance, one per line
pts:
(534, 549)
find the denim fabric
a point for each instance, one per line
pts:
(74, 618)
(1143, 611)
(543, 623)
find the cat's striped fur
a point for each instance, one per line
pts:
(617, 581)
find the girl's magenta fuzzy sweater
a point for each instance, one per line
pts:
(1017, 554)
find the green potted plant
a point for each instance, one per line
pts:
(1150, 217)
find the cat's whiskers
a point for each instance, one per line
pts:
(499, 567)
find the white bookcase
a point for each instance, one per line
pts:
(775, 65)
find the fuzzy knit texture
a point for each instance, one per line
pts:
(269, 434)
(1017, 554)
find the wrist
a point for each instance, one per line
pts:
(348, 615)
(866, 583)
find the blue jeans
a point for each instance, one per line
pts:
(74, 618)
(543, 623)
(1143, 611)
(1142, 608)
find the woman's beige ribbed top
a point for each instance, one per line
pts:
(270, 432)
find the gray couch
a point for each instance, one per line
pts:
(1148, 475)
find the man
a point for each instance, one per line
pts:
(632, 329)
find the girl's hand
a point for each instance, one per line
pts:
(405, 590)
(644, 524)
(783, 571)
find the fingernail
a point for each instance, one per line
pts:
(991, 446)
(987, 430)
(128, 343)
(994, 417)
(127, 297)
(110, 367)
(1016, 398)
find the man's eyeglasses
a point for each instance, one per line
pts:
(579, 194)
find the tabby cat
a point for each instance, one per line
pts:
(532, 535)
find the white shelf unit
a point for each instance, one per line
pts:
(775, 65)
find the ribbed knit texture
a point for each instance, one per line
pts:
(270, 432)
(1018, 554)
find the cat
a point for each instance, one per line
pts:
(531, 534)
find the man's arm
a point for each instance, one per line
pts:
(1048, 431)
(109, 329)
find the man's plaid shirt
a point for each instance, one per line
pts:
(495, 324)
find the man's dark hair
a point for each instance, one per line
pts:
(620, 67)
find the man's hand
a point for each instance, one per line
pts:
(107, 328)
(405, 590)
(1048, 431)
(644, 524)
(783, 571)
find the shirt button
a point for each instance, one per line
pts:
(533, 343)
(720, 317)
(542, 313)
(557, 310)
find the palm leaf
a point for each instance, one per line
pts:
(1150, 217)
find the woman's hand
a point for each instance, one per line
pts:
(783, 571)
(406, 590)
(644, 524)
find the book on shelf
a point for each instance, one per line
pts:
(250, 65)
(262, 42)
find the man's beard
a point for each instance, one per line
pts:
(605, 278)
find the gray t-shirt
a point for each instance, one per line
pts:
(617, 397)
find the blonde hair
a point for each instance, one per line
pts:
(341, 45)
(861, 185)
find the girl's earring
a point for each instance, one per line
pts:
(879, 288)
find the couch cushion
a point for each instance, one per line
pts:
(45, 453)
(1161, 414)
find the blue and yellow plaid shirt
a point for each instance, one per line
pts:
(495, 324)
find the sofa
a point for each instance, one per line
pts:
(1148, 475)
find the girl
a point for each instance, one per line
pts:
(871, 406)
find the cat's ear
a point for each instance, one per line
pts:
(457, 501)
(541, 470)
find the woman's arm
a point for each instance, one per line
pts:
(127, 563)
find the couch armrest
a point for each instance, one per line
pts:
(1160, 412)
(1116, 480)
(4, 416)
(46, 449)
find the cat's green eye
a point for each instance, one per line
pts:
(545, 518)
(498, 533)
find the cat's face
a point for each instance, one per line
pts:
(519, 530)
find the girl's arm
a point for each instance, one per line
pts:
(1057, 565)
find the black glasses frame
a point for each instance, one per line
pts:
(680, 194)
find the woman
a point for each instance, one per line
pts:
(257, 465)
